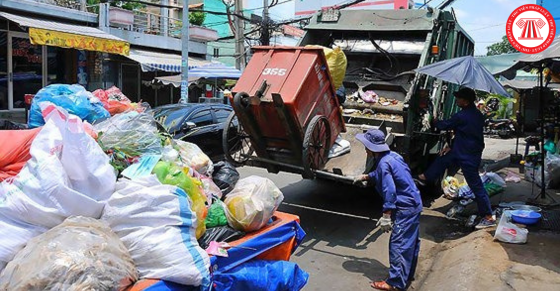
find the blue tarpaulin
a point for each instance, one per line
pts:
(240, 271)
(259, 275)
(254, 247)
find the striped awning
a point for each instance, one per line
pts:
(52, 33)
(167, 62)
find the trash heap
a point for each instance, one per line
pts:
(368, 104)
(99, 207)
(458, 191)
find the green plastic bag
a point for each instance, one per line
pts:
(216, 215)
(172, 174)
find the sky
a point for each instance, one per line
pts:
(483, 20)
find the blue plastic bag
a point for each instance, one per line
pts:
(257, 275)
(74, 98)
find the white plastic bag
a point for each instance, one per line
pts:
(156, 224)
(193, 157)
(339, 148)
(68, 174)
(131, 133)
(252, 203)
(13, 237)
(512, 177)
(509, 232)
(494, 178)
(80, 254)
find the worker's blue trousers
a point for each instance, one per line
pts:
(404, 247)
(469, 164)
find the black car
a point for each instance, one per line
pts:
(198, 123)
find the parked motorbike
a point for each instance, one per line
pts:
(504, 128)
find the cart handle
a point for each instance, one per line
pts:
(261, 90)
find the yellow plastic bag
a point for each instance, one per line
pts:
(336, 59)
(450, 186)
(252, 203)
(171, 174)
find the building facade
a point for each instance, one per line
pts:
(62, 41)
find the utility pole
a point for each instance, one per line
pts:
(239, 36)
(185, 54)
(265, 32)
(164, 18)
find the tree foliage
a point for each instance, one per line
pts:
(500, 48)
(197, 17)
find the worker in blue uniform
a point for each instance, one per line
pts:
(465, 152)
(402, 207)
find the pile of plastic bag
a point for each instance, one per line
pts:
(67, 223)
(460, 192)
(73, 98)
(90, 107)
(454, 189)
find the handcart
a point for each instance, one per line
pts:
(286, 115)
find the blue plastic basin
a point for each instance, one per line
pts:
(526, 217)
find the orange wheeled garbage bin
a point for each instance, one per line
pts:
(286, 110)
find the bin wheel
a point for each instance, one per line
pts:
(236, 142)
(316, 145)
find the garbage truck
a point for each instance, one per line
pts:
(382, 48)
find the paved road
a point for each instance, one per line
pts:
(342, 250)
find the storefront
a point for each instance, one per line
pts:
(141, 67)
(37, 52)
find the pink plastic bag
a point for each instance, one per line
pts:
(114, 100)
(370, 96)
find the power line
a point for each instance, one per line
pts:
(269, 6)
(486, 27)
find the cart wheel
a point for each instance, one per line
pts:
(316, 145)
(235, 142)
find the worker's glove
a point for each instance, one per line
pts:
(444, 150)
(385, 223)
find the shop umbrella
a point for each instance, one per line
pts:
(465, 71)
(215, 71)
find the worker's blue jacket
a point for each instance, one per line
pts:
(394, 183)
(468, 125)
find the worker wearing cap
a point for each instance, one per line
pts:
(402, 206)
(465, 152)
